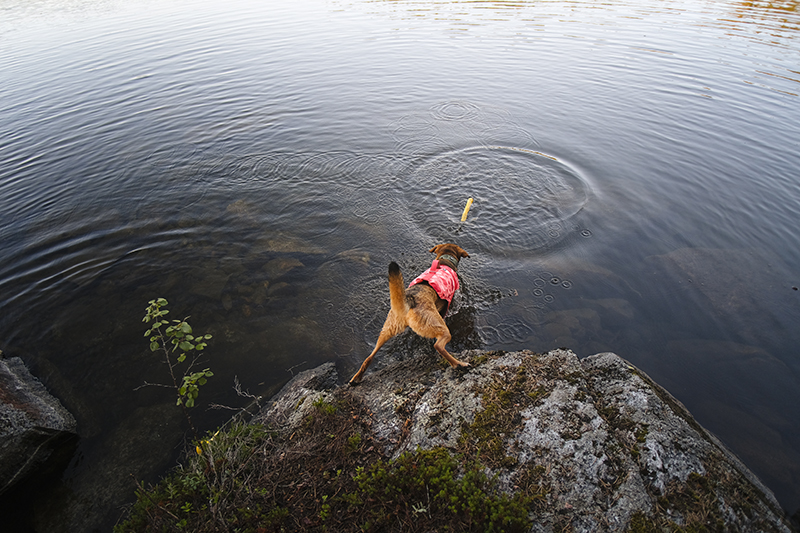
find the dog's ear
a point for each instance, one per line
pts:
(459, 250)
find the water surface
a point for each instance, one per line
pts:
(633, 166)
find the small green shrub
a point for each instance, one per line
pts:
(218, 487)
(324, 407)
(174, 342)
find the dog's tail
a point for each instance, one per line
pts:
(397, 291)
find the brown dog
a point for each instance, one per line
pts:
(423, 305)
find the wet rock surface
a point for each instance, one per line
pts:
(37, 434)
(599, 445)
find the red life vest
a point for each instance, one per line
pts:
(442, 278)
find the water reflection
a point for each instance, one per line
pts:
(259, 167)
(776, 25)
(782, 15)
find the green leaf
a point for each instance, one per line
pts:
(182, 358)
(201, 381)
(182, 390)
(207, 336)
(154, 346)
(209, 373)
(148, 332)
(162, 302)
(186, 328)
(186, 346)
(190, 402)
(189, 337)
(179, 402)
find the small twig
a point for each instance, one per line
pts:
(217, 407)
(194, 361)
(148, 384)
(291, 368)
(237, 387)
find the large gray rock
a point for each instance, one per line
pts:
(596, 442)
(36, 432)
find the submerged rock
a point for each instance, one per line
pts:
(280, 266)
(37, 434)
(283, 243)
(596, 442)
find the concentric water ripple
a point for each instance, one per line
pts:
(522, 198)
(455, 111)
(453, 124)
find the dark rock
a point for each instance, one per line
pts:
(280, 266)
(90, 500)
(37, 434)
(602, 446)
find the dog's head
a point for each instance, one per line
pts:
(449, 253)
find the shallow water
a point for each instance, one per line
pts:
(634, 168)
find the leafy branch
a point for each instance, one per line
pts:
(175, 341)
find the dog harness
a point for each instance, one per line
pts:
(442, 278)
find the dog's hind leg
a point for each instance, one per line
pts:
(440, 344)
(396, 320)
(391, 327)
(431, 325)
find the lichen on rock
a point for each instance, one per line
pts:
(595, 444)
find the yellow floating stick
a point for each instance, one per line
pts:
(466, 210)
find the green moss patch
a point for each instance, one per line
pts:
(513, 390)
(430, 491)
(328, 475)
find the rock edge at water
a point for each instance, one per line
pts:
(37, 434)
(608, 448)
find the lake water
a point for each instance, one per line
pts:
(635, 169)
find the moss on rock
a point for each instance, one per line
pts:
(518, 442)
